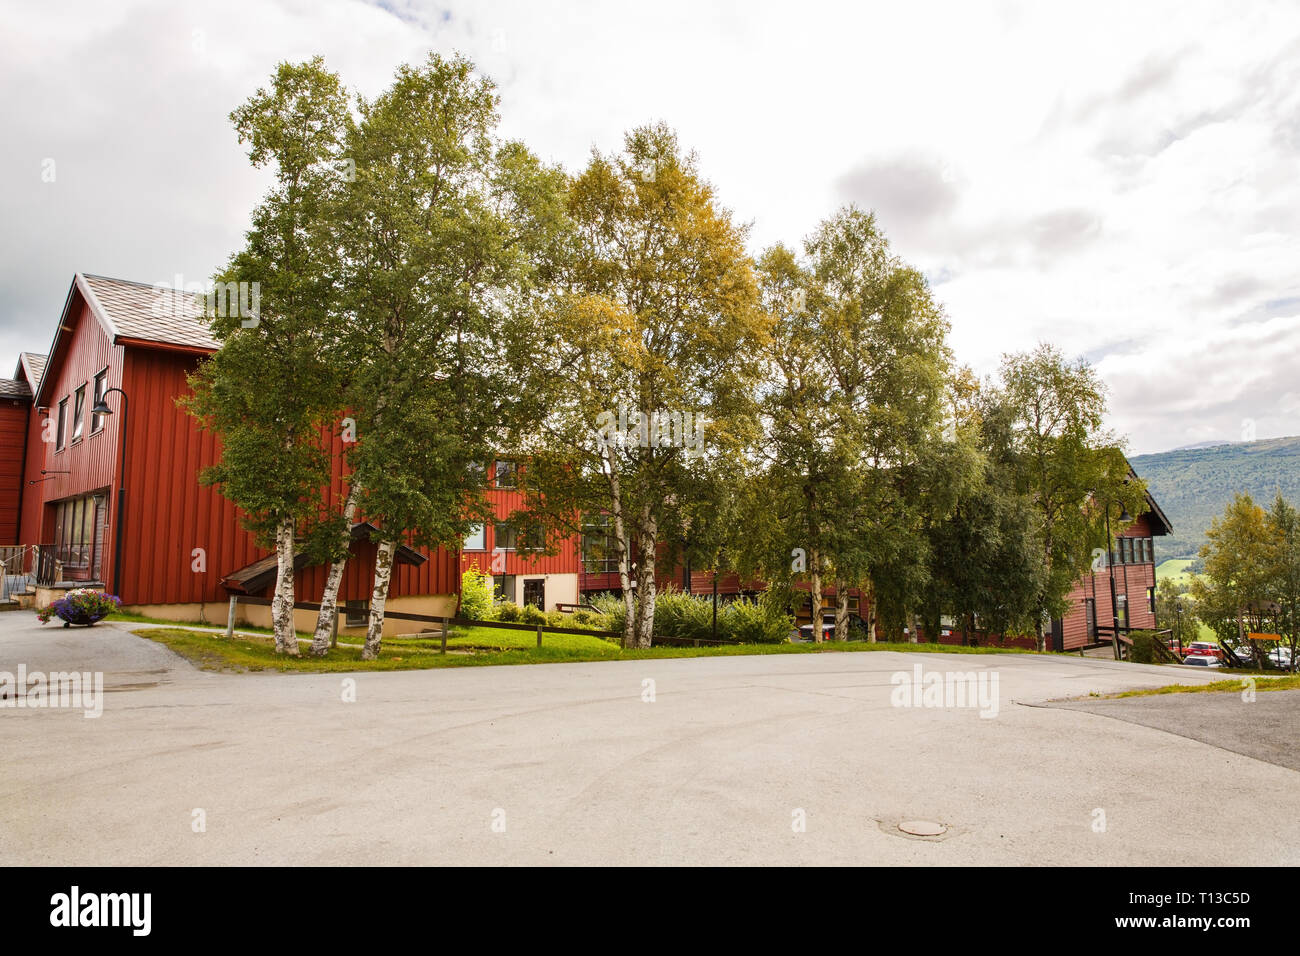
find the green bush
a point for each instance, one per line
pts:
(764, 621)
(684, 616)
(531, 614)
(507, 611)
(476, 595)
(1143, 650)
(590, 619)
(611, 608)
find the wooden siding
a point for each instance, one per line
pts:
(14, 414)
(84, 351)
(505, 501)
(169, 513)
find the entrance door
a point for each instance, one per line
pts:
(535, 592)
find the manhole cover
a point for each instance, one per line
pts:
(922, 828)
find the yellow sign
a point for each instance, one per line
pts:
(1264, 637)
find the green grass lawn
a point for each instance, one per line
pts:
(1175, 569)
(479, 646)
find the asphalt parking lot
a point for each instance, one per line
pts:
(756, 760)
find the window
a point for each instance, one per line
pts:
(1090, 613)
(599, 553)
(78, 413)
(101, 383)
(79, 532)
(505, 474)
(476, 540)
(357, 613)
(61, 429)
(509, 538)
(1121, 610)
(504, 536)
(1151, 599)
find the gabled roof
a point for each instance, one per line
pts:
(147, 313)
(133, 313)
(31, 366)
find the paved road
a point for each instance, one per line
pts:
(573, 766)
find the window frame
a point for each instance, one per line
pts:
(78, 413)
(480, 535)
(99, 385)
(61, 425)
(503, 469)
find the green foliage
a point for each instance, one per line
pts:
(1069, 468)
(1144, 650)
(476, 592)
(271, 388)
(507, 611)
(656, 313)
(531, 614)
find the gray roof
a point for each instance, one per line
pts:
(13, 389)
(31, 365)
(147, 313)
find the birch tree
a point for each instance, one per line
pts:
(1067, 464)
(646, 359)
(443, 232)
(270, 388)
(856, 375)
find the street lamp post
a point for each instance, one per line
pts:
(101, 408)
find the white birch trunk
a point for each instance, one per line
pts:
(286, 641)
(871, 614)
(841, 610)
(815, 596)
(624, 555)
(378, 598)
(329, 600)
(647, 544)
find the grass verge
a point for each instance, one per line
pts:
(1291, 682)
(479, 647)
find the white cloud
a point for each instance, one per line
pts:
(1120, 180)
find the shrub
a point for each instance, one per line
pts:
(684, 616)
(591, 619)
(755, 622)
(476, 595)
(1143, 650)
(531, 614)
(507, 611)
(612, 609)
(81, 606)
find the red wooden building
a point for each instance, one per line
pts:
(183, 549)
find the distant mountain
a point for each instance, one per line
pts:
(1212, 443)
(1193, 485)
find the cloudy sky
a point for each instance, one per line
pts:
(1122, 182)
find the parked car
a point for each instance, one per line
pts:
(1243, 654)
(1204, 647)
(1201, 660)
(1280, 656)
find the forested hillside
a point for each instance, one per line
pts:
(1193, 485)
